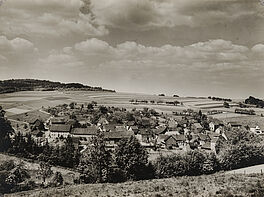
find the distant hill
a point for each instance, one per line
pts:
(255, 101)
(16, 85)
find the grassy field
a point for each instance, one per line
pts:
(14, 103)
(201, 186)
(248, 120)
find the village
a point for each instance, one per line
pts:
(158, 132)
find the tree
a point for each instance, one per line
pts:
(71, 105)
(57, 180)
(131, 158)
(95, 162)
(44, 171)
(226, 105)
(5, 131)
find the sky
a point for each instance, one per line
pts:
(184, 47)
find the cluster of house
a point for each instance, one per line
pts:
(179, 132)
(170, 134)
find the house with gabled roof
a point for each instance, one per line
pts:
(160, 130)
(84, 133)
(60, 130)
(147, 135)
(215, 124)
(102, 121)
(112, 138)
(203, 138)
(133, 129)
(206, 146)
(197, 128)
(172, 124)
(234, 125)
(174, 141)
(57, 120)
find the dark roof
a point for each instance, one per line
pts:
(197, 125)
(213, 135)
(134, 127)
(179, 137)
(234, 124)
(117, 135)
(109, 127)
(57, 120)
(217, 122)
(175, 137)
(130, 123)
(33, 120)
(203, 136)
(92, 130)
(145, 132)
(183, 121)
(207, 146)
(161, 130)
(163, 137)
(37, 133)
(60, 128)
(103, 120)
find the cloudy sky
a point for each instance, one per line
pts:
(185, 47)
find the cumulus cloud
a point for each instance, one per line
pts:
(202, 54)
(17, 46)
(39, 18)
(259, 48)
(146, 14)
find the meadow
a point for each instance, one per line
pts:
(217, 185)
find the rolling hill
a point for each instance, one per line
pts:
(17, 85)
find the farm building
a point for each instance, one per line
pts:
(215, 124)
(84, 133)
(234, 125)
(112, 138)
(60, 130)
(197, 128)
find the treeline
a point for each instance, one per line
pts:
(219, 99)
(15, 85)
(25, 146)
(255, 101)
(244, 111)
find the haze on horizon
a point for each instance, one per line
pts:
(185, 47)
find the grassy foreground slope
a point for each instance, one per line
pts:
(208, 185)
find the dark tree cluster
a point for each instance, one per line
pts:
(25, 146)
(192, 163)
(129, 161)
(15, 85)
(255, 101)
(219, 99)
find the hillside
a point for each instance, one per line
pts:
(16, 85)
(208, 185)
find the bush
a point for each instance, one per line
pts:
(242, 155)
(192, 163)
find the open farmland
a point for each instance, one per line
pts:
(247, 120)
(20, 102)
(219, 185)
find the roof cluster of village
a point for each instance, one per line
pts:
(181, 131)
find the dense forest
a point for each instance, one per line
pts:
(16, 85)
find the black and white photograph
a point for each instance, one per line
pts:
(135, 98)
